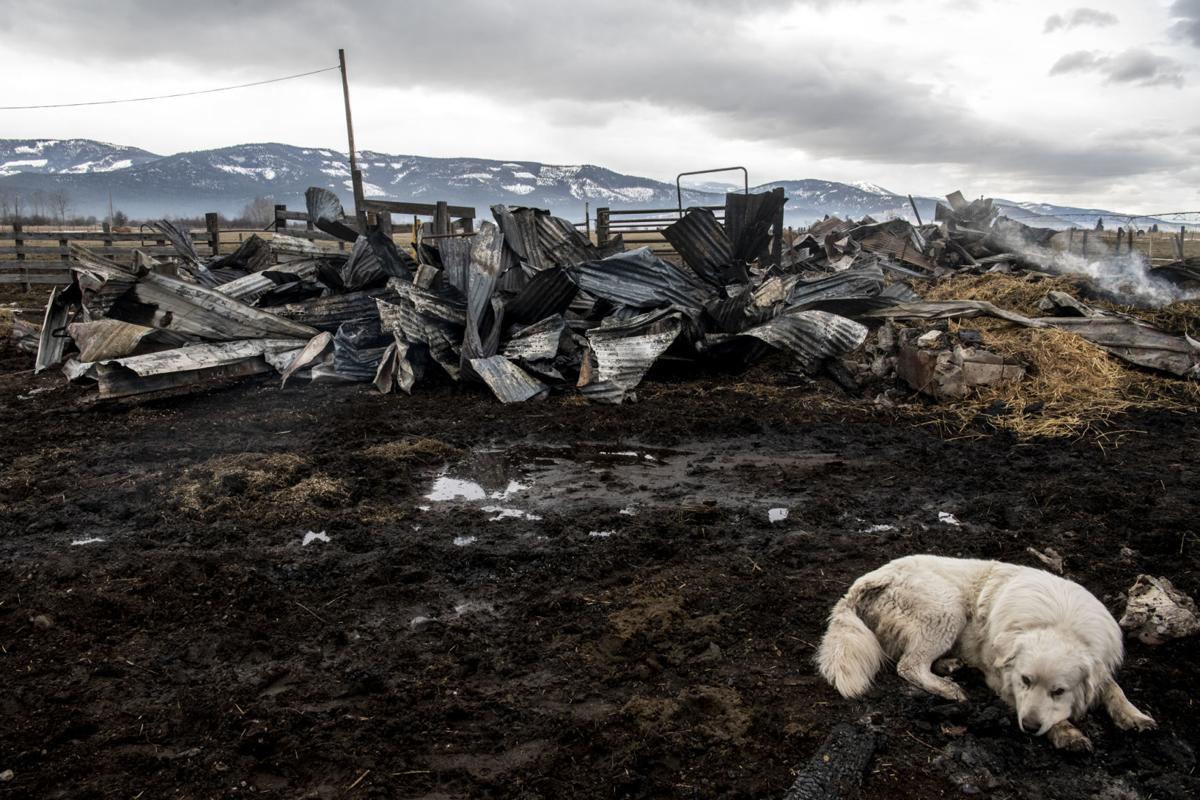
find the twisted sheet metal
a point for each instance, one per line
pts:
(641, 280)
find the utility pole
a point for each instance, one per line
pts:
(360, 210)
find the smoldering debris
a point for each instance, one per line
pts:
(529, 306)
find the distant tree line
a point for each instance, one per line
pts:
(55, 208)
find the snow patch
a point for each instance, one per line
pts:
(525, 176)
(90, 540)
(123, 163)
(478, 176)
(28, 162)
(518, 188)
(314, 536)
(946, 518)
(777, 514)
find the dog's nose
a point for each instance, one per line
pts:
(1030, 725)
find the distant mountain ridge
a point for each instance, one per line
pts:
(225, 179)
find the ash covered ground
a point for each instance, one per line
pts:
(593, 603)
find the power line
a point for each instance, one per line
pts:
(168, 96)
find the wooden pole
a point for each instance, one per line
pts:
(360, 211)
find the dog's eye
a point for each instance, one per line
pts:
(1057, 693)
(1025, 680)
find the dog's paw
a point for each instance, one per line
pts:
(1068, 737)
(1134, 720)
(947, 666)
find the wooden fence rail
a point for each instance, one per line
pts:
(43, 257)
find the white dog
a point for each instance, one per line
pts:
(1046, 645)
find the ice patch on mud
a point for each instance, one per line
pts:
(601, 534)
(946, 518)
(463, 541)
(90, 540)
(777, 514)
(503, 513)
(314, 536)
(878, 528)
(447, 488)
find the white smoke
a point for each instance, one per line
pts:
(1126, 276)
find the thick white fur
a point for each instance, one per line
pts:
(1046, 645)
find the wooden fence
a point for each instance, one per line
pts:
(43, 256)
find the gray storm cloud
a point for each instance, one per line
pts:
(695, 58)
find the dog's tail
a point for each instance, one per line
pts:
(850, 653)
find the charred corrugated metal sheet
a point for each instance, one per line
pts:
(288, 247)
(317, 349)
(810, 336)
(111, 338)
(454, 253)
(443, 339)
(250, 288)
(896, 238)
(52, 340)
(548, 292)
(328, 313)
(326, 212)
(189, 258)
(508, 382)
(159, 301)
(358, 348)
(702, 243)
(748, 222)
(537, 342)
(187, 365)
(252, 255)
(484, 317)
(625, 350)
(641, 280)
(851, 283)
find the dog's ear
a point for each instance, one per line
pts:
(1007, 650)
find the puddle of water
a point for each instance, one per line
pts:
(946, 518)
(601, 534)
(878, 528)
(314, 536)
(463, 541)
(91, 540)
(777, 514)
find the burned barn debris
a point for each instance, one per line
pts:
(529, 305)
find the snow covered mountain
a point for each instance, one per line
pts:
(67, 156)
(145, 185)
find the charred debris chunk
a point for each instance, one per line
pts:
(528, 305)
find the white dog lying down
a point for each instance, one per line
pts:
(1046, 645)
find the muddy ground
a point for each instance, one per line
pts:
(594, 602)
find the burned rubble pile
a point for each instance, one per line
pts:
(529, 305)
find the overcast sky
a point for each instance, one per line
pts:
(1025, 99)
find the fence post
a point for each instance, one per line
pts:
(468, 224)
(1120, 237)
(281, 219)
(212, 224)
(106, 228)
(587, 221)
(1179, 241)
(777, 236)
(18, 244)
(441, 218)
(1083, 251)
(601, 226)
(385, 222)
